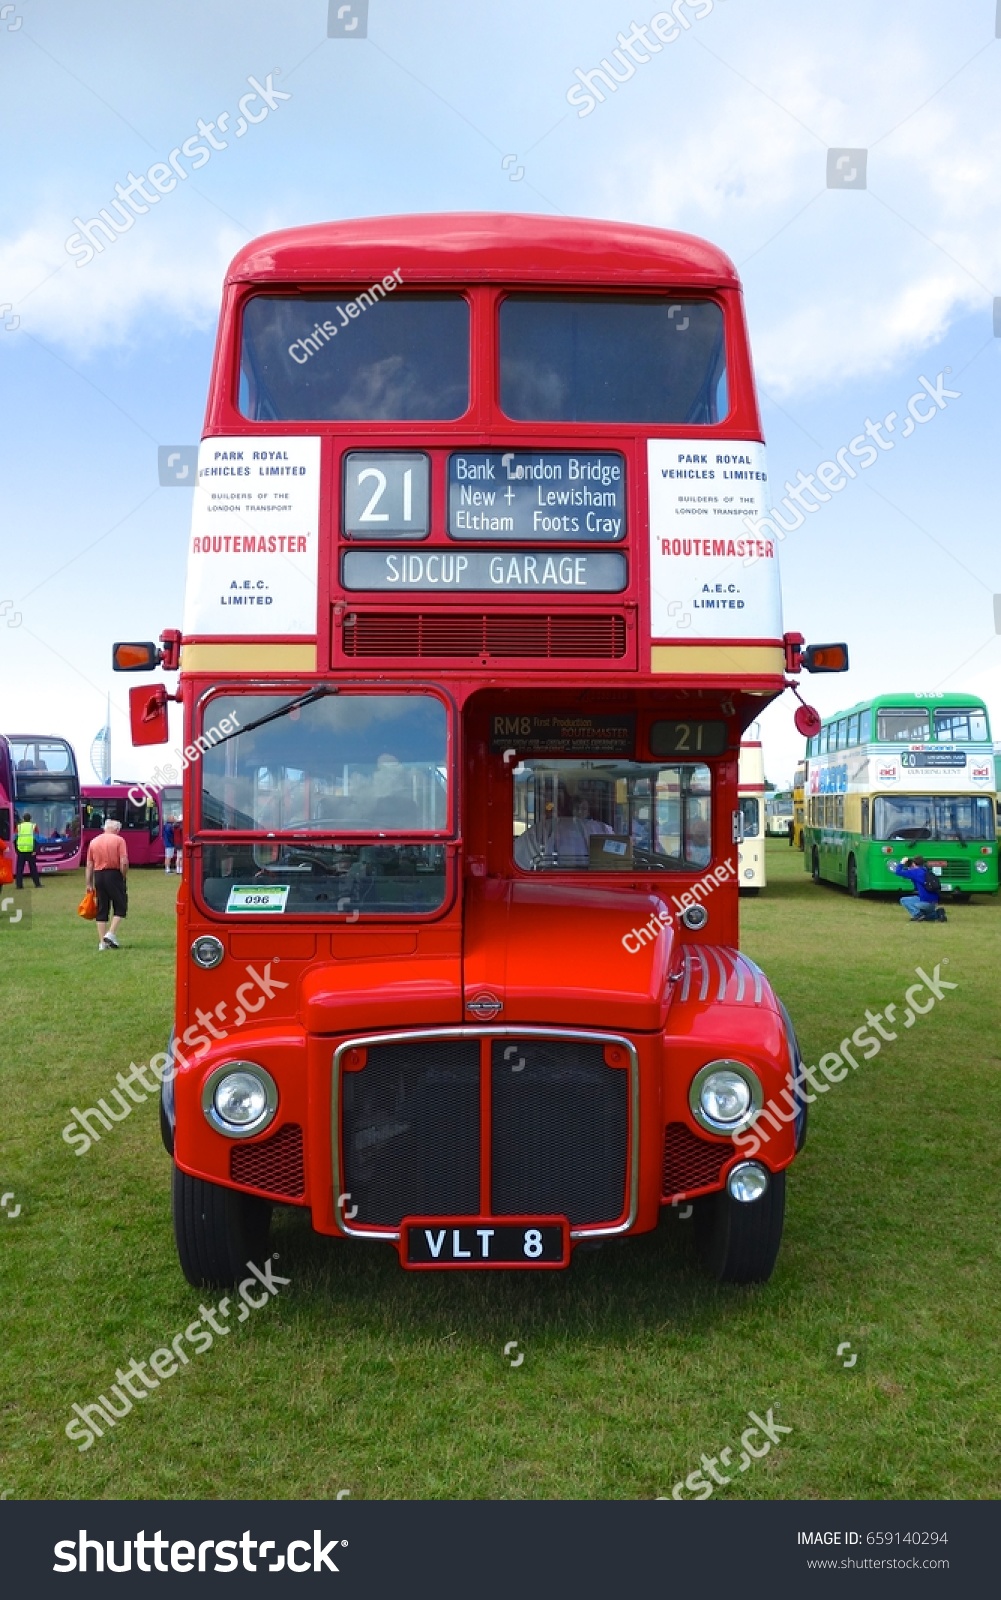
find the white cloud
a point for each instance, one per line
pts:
(859, 282)
(151, 271)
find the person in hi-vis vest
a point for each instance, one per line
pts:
(25, 836)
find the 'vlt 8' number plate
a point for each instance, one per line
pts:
(542, 1242)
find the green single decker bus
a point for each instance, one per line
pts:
(903, 775)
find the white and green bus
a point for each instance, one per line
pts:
(903, 775)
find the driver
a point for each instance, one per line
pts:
(560, 841)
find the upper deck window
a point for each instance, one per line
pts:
(963, 725)
(612, 359)
(311, 358)
(900, 726)
(41, 755)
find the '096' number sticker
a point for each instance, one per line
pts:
(254, 898)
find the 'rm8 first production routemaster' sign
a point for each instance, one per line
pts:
(253, 556)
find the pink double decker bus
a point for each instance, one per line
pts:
(142, 822)
(39, 779)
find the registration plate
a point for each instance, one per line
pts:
(485, 1242)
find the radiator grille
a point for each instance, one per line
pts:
(395, 633)
(411, 1131)
(560, 1130)
(952, 871)
(690, 1162)
(275, 1164)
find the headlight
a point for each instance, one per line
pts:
(981, 866)
(239, 1099)
(695, 917)
(724, 1096)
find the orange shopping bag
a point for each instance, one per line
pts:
(88, 906)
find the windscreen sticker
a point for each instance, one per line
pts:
(713, 556)
(253, 552)
(256, 898)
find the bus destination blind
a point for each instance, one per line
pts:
(531, 571)
(933, 758)
(537, 495)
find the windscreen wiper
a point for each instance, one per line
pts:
(282, 711)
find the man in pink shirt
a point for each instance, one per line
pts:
(107, 869)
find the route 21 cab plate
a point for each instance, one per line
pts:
(484, 1242)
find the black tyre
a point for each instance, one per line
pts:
(961, 899)
(815, 865)
(737, 1241)
(217, 1231)
(852, 879)
(750, 891)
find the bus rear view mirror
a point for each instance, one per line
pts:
(825, 658)
(148, 714)
(131, 657)
(808, 721)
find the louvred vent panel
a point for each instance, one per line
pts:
(392, 633)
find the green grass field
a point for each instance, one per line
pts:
(387, 1384)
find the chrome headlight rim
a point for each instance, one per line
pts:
(740, 1070)
(212, 951)
(228, 1070)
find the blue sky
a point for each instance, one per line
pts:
(853, 295)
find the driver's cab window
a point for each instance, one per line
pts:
(304, 777)
(611, 816)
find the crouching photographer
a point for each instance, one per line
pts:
(925, 904)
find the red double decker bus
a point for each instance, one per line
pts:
(477, 610)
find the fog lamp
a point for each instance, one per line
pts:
(748, 1181)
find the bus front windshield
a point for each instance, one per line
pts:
(956, 818)
(611, 816)
(369, 765)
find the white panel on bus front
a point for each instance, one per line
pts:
(253, 551)
(713, 561)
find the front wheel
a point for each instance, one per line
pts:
(815, 865)
(737, 1240)
(852, 878)
(218, 1231)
